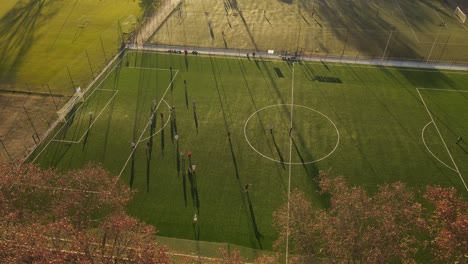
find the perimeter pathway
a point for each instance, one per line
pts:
(265, 55)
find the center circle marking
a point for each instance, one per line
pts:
(292, 163)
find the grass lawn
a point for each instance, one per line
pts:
(372, 124)
(360, 28)
(39, 39)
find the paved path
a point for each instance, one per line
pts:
(265, 55)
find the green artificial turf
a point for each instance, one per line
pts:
(363, 122)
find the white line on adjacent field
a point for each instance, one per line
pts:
(147, 124)
(441, 19)
(443, 90)
(290, 160)
(144, 68)
(443, 141)
(407, 22)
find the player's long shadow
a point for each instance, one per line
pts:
(186, 94)
(177, 158)
(172, 130)
(278, 150)
(194, 190)
(233, 158)
(60, 152)
(195, 118)
(196, 232)
(225, 43)
(248, 31)
(464, 150)
(301, 158)
(132, 169)
(87, 134)
(310, 169)
(257, 233)
(162, 134)
(186, 62)
(184, 182)
(148, 169)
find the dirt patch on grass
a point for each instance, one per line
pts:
(22, 116)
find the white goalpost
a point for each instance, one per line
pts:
(63, 112)
(460, 15)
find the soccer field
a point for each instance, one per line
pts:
(269, 124)
(396, 29)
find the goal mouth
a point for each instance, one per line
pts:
(460, 15)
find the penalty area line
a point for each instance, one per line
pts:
(443, 141)
(146, 127)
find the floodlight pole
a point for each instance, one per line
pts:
(433, 44)
(388, 42)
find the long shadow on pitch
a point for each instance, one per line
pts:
(184, 182)
(132, 170)
(194, 190)
(195, 118)
(148, 169)
(186, 94)
(162, 134)
(257, 233)
(278, 150)
(233, 158)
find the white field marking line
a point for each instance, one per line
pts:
(441, 20)
(424, 141)
(106, 90)
(95, 119)
(167, 122)
(374, 66)
(86, 99)
(407, 22)
(443, 90)
(443, 141)
(294, 163)
(144, 68)
(290, 160)
(144, 130)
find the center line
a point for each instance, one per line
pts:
(290, 160)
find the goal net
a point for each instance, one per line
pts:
(68, 107)
(460, 15)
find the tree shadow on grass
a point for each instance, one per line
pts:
(17, 33)
(149, 7)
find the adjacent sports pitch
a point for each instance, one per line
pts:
(414, 30)
(270, 125)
